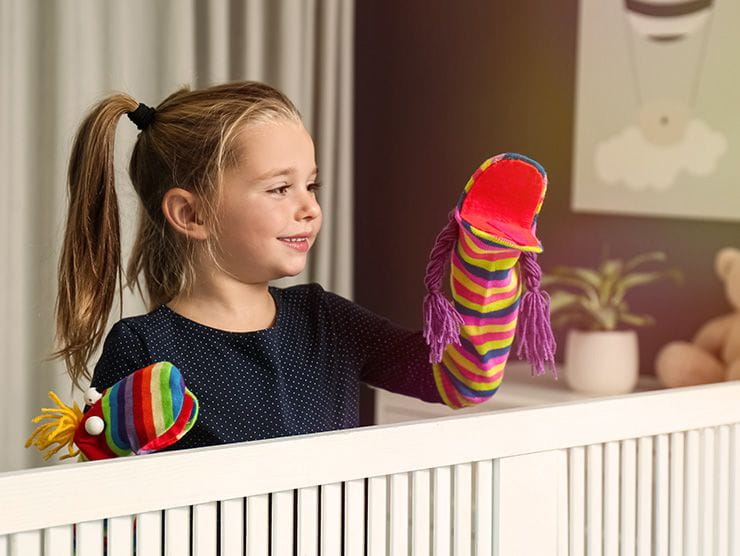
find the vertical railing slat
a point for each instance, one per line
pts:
(232, 527)
(483, 472)
(594, 499)
(377, 497)
(120, 536)
(707, 477)
(89, 538)
(331, 519)
(282, 523)
(354, 518)
(721, 491)
(462, 516)
(675, 542)
(526, 491)
(611, 499)
(644, 496)
(205, 529)
(628, 491)
(58, 541)
(177, 531)
(442, 516)
(563, 526)
(28, 543)
(258, 525)
(149, 534)
(421, 521)
(661, 510)
(692, 498)
(576, 500)
(308, 521)
(734, 509)
(399, 518)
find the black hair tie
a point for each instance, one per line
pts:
(142, 116)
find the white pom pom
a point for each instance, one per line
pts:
(94, 426)
(92, 396)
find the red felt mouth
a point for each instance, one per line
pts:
(503, 201)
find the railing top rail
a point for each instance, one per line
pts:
(45, 497)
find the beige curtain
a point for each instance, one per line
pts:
(57, 57)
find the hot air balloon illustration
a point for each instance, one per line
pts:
(655, 126)
(667, 20)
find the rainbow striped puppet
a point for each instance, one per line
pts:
(491, 247)
(143, 412)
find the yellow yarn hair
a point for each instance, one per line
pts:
(60, 429)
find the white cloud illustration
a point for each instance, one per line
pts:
(629, 157)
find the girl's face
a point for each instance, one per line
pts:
(269, 197)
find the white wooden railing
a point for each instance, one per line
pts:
(652, 473)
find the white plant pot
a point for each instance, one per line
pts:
(602, 362)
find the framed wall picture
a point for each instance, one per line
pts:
(657, 111)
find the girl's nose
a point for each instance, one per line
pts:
(309, 206)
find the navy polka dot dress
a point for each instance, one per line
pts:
(300, 376)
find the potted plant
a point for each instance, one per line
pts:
(601, 353)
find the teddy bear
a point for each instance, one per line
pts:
(714, 353)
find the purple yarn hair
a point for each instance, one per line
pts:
(534, 337)
(441, 320)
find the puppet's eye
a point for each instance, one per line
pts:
(94, 426)
(92, 396)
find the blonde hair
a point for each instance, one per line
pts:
(190, 144)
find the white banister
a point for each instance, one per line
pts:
(649, 473)
(238, 470)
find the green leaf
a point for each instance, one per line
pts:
(653, 256)
(598, 300)
(607, 318)
(575, 319)
(610, 272)
(586, 288)
(636, 320)
(583, 274)
(641, 278)
(560, 300)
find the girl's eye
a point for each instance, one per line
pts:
(282, 190)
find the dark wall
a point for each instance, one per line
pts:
(441, 86)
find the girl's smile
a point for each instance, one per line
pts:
(297, 244)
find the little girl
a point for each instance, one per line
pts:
(228, 185)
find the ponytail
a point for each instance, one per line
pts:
(90, 261)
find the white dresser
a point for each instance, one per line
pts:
(518, 389)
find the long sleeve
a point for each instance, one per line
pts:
(486, 290)
(389, 356)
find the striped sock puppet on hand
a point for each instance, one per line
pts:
(144, 412)
(491, 229)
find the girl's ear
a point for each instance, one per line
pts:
(182, 210)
